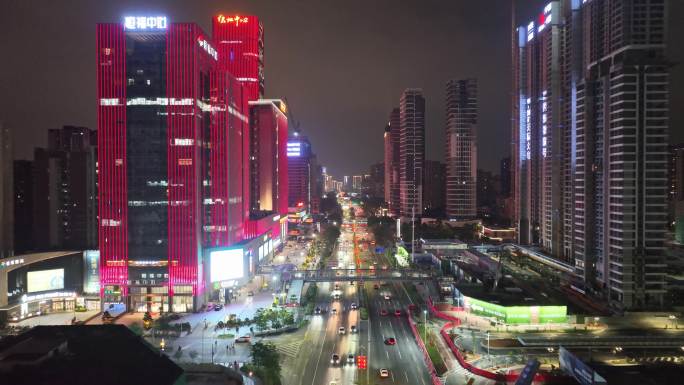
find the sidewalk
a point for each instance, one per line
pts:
(55, 319)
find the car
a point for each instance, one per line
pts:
(350, 359)
(383, 312)
(250, 293)
(354, 306)
(337, 286)
(243, 339)
(336, 297)
(384, 373)
(390, 341)
(335, 359)
(341, 330)
(351, 283)
(376, 286)
(333, 311)
(218, 307)
(352, 329)
(317, 310)
(397, 313)
(387, 297)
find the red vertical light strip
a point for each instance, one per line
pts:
(111, 120)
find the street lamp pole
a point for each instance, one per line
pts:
(425, 325)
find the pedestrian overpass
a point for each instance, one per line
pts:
(361, 275)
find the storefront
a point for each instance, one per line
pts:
(41, 304)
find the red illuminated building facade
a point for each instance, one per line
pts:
(174, 149)
(240, 42)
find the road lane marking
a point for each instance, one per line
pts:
(392, 373)
(386, 352)
(399, 352)
(325, 335)
(406, 376)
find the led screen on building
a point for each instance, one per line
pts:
(226, 265)
(517, 314)
(45, 280)
(91, 271)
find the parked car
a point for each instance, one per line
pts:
(243, 339)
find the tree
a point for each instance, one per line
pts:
(193, 354)
(260, 319)
(289, 318)
(135, 328)
(265, 355)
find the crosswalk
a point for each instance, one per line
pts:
(291, 349)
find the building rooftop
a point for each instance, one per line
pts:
(74, 355)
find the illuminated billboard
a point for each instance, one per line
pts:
(518, 314)
(294, 149)
(45, 280)
(91, 271)
(226, 265)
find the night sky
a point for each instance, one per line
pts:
(341, 65)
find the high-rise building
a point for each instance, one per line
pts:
(268, 166)
(173, 139)
(316, 184)
(461, 149)
(676, 196)
(505, 177)
(411, 151)
(65, 190)
(240, 44)
(541, 169)
(434, 187)
(357, 182)
(392, 139)
(299, 171)
(590, 134)
(23, 206)
(621, 159)
(6, 194)
(375, 184)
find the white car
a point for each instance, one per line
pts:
(341, 330)
(387, 297)
(384, 373)
(354, 306)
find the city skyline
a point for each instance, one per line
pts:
(444, 23)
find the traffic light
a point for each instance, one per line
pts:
(361, 362)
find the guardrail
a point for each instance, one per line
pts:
(426, 356)
(455, 321)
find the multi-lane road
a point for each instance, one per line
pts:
(307, 354)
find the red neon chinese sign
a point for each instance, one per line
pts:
(232, 19)
(361, 362)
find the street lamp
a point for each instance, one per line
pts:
(425, 325)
